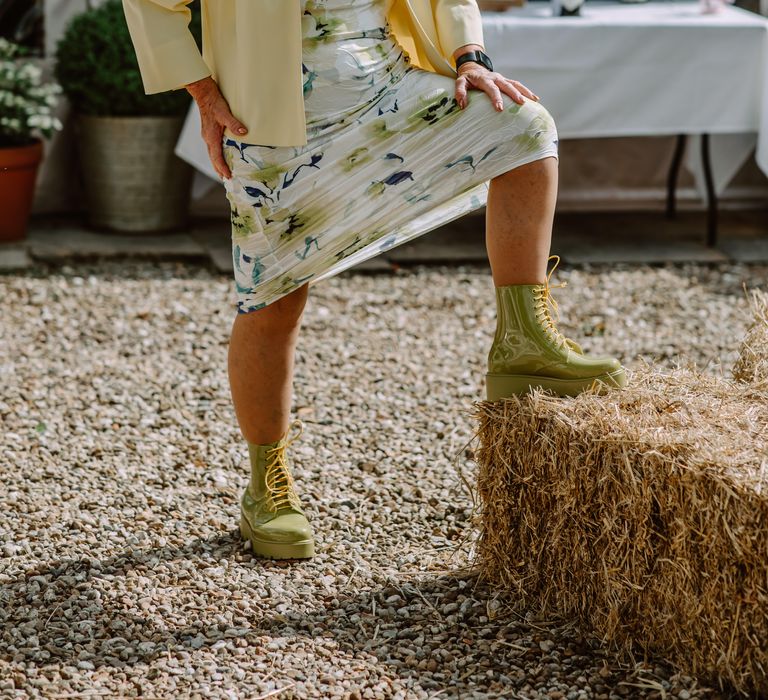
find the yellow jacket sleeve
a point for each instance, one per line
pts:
(458, 22)
(165, 48)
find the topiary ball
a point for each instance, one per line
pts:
(97, 67)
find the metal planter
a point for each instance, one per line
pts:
(133, 181)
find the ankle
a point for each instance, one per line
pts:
(261, 443)
(265, 437)
(522, 282)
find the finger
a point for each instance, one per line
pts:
(461, 91)
(490, 87)
(513, 92)
(523, 89)
(216, 154)
(235, 126)
(208, 134)
(227, 120)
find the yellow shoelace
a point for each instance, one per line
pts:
(545, 301)
(278, 477)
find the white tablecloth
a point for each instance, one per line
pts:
(645, 69)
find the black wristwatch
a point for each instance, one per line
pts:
(477, 56)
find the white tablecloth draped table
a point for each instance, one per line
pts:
(647, 69)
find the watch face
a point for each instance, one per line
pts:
(485, 60)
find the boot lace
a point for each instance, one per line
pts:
(278, 477)
(543, 302)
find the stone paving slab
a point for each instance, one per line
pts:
(14, 256)
(746, 250)
(57, 244)
(221, 257)
(574, 250)
(461, 241)
(378, 263)
(433, 251)
(635, 238)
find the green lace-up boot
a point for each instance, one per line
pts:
(528, 351)
(271, 516)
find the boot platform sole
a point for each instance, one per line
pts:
(499, 386)
(303, 549)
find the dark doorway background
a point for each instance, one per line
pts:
(21, 21)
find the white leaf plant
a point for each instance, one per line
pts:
(27, 102)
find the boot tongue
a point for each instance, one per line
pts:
(271, 478)
(279, 484)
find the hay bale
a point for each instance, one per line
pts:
(752, 365)
(643, 514)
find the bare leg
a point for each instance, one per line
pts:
(519, 216)
(518, 222)
(261, 355)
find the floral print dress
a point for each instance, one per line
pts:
(389, 156)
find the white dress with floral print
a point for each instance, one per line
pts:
(390, 156)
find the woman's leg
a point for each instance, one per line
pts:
(518, 222)
(527, 350)
(261, 355)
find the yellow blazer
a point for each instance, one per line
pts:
(253, 49)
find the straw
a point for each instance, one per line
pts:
(643, 513)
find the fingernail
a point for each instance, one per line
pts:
(499, 105)
(241, 130)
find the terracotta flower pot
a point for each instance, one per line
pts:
(18, 174)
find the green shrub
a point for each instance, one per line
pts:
(97, 67)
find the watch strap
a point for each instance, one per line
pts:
(477, 56)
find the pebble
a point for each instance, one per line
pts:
(123, 566)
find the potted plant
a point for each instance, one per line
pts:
(132, 179)
(26, 115)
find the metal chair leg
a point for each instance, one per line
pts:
(711, 194)
(672, 176)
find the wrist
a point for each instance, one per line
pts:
(467, 48)
(476, 56)
(201, 87)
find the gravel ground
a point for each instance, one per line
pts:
(122, 571)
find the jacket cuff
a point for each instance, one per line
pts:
(459, 22)
(172, 65)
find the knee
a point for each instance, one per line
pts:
(541, 123)
(532, 131)
(282, 315)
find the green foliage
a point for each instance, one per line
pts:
(97, 67)
(26, 100)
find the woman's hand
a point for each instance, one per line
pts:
(215, 117)
(473, 75)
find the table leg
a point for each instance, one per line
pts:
(711, 194)
(674, 171)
